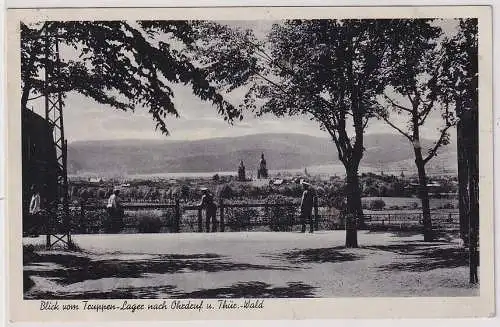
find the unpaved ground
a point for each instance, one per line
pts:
(248, 264)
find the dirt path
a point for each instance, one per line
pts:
(252, 264)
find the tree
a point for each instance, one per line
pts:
(328, 70)
(413, 73)
(121, 64)
(460, 80)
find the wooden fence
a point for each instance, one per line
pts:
(176, 217)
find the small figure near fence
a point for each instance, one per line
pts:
(262, 171)
(35, 218)
(207, 203)
(306, 207)
(241, 172)
(115, 212)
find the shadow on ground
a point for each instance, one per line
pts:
(439, 236)
(253, 289)
(426, 256)
(72, 268)
(320, 255)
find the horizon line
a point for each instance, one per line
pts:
(167, 139)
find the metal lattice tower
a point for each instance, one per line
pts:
(58, 225)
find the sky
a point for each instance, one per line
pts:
(84, 119)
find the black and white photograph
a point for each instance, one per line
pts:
(250, 159)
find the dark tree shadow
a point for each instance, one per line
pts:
(439, 235)
(153, 292)
(408, 246)
(427, 259)
(72, 269)
(320, 255)
(253, 289)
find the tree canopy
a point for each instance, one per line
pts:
(118, 63)
(327, 70)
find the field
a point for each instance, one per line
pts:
(256, 264)
(414, 202)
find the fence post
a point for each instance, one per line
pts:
(316, 222)
(177, 216)
(200, 221)
(267, 216)
(83, 223)
(221, 204)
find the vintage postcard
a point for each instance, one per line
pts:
(249, 163)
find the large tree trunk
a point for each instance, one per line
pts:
(463, 178)
(471, 142)
(354, 212)
(423, 194)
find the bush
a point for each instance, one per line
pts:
(113, 224)
(292, 190)
(240, 217)
(282, 217)
(149, 225)
(181, 192)
(378, 204)
(225, 192)
(29, 253)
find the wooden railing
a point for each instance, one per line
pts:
(177, 217)
(223, 210)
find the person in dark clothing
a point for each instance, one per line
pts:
(306, 207)
(262, 171)
(115, 212)
(207, 202)
(241, 172)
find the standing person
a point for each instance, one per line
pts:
(262, 172)
(241, 172)
(115, 212)
(306, 207)
(207, 202)
(35, 211)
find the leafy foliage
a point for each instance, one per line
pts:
(121, 64)
(240, 218)
(414, 83)
(377, 204)
(459, 73)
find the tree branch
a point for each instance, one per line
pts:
(397, 105)
(412, 100)
(396, 128)
(438, 144)
(34, 98)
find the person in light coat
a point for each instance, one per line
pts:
(35, 212)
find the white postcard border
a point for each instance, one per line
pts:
(483, 305)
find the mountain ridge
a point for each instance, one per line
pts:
(282, 151)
